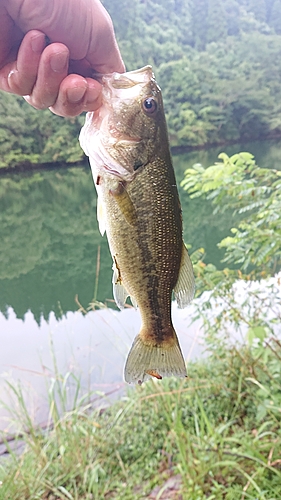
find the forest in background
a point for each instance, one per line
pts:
(218, 63)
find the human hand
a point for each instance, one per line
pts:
(56, 75)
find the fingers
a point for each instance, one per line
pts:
(18, 71)
(37, 71)
(52, 69)
(44, 74)
(40, 74)
(22, 73)
(77, 94)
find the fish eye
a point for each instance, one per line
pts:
(149, 105)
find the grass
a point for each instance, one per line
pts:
(215, 436)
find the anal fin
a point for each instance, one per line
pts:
(101, 215)
(120, 293)
(185, 286)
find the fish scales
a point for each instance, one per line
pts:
(139, 208)
(151, 249)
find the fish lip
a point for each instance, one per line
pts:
(128, 79)
(145, 71)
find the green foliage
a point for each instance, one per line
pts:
(252, 192)
(49, 242)
(275, 16)
(217, 86)
(236, 309)
(226, 93)
(258, 7)
(216, 436)
(216, 31)
(232, 17)
(199, 10)
(28, 135)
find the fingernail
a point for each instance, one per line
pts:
(59, 61)
(11, 74)
(38, 43)
(76, 94)
(12, 78)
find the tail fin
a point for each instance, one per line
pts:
(144, 360)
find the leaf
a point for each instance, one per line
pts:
(256, 332)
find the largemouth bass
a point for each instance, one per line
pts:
(139, 208)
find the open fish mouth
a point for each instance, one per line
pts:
(125, 80)
(118, 88)
(126, 85)
(112, 136)
(128, 80)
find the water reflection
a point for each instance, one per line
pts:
(50, 239)
(92, 347)
(49, 243)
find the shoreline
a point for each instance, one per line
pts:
(27, 166)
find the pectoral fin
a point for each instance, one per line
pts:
(125, 203)
(185, 287)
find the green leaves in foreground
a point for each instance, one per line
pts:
(254, 194)
(237, 305)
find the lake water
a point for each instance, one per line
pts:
(53, 258)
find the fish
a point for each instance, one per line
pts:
(138, 207)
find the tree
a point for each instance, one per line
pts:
(269, 4)
(258, 8)
(275, 17)
(216, 21)
(35, 136)
(199, 13)
(232, 14)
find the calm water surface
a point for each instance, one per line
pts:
(51, 249)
